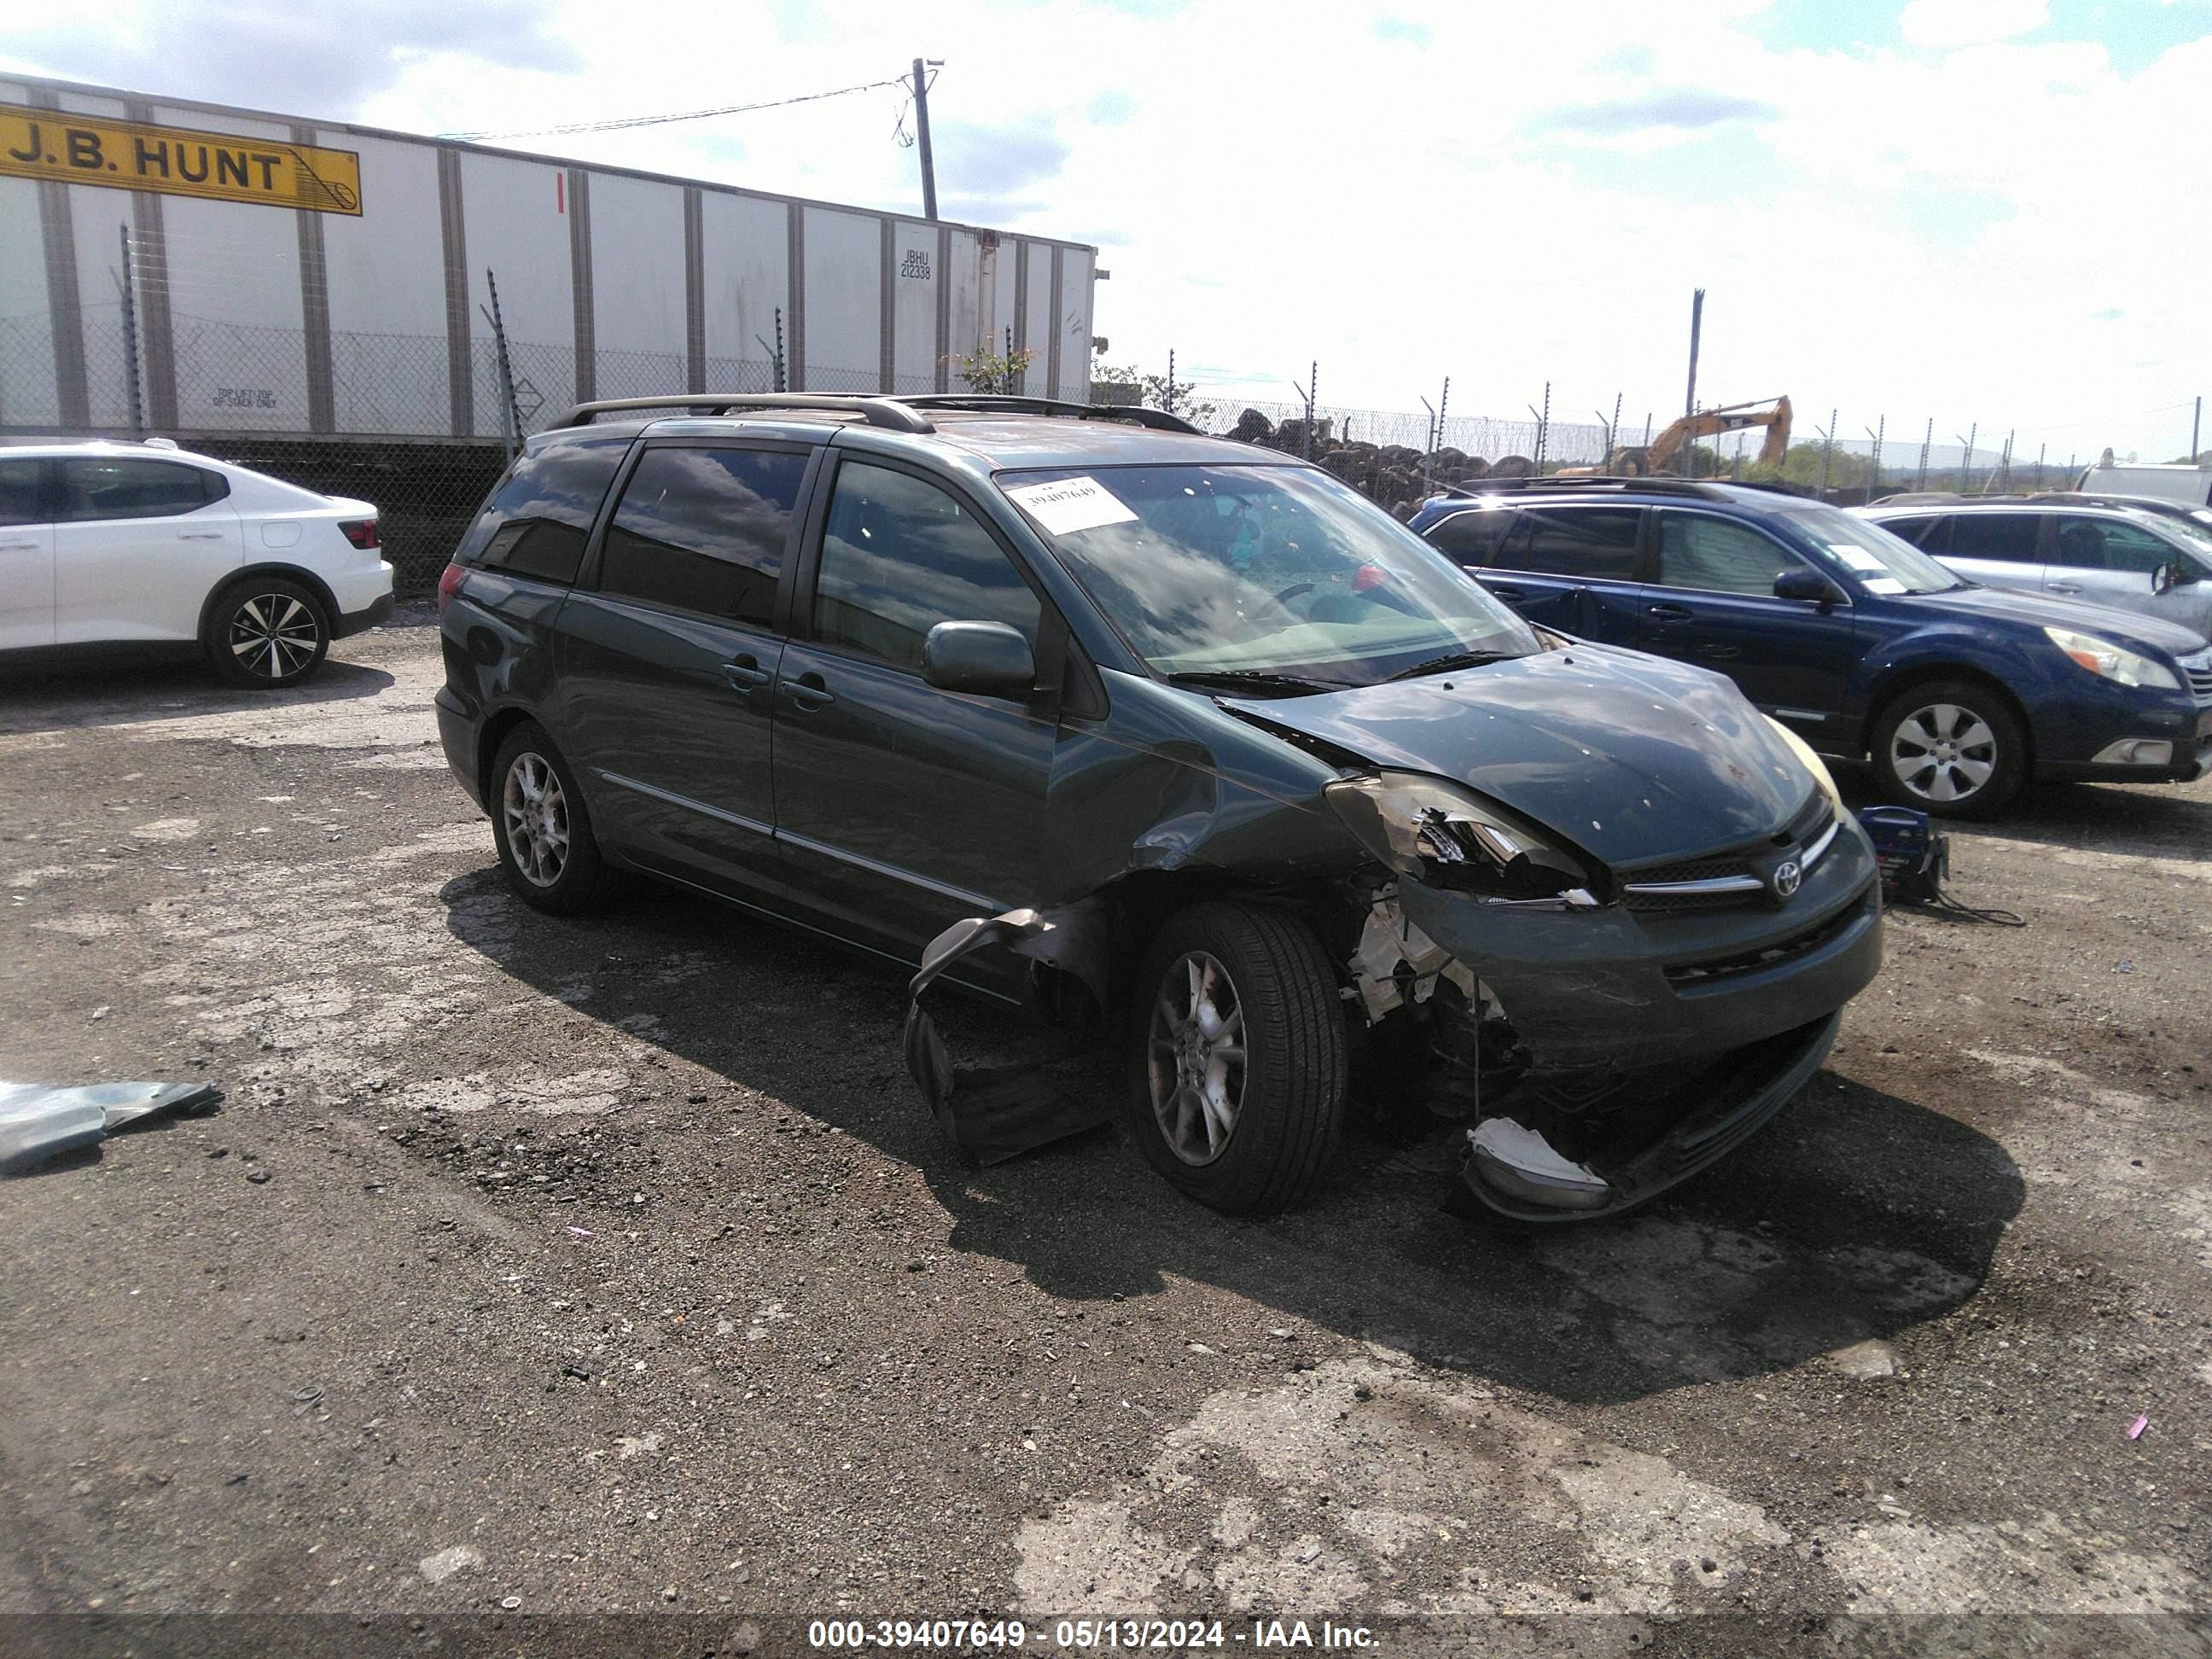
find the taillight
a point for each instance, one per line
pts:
(362, 532)
(449, 583)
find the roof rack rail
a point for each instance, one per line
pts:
(885, 412)
(978, 403)
(1696, 488)
(2093, 498)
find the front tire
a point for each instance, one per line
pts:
(542, 828)
(1951, 748)
(266, 632)
(1237, 1091)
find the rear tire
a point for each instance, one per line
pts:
(266, 632)
(543, 829)
(1239, 1056)
(1954, 749)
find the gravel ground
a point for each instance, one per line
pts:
(574, 1266)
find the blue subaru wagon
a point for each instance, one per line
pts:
(1865, 646)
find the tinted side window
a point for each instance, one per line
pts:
(1471, 537)
(2107, 544)
(899, 556)
(18, 493)
(1911, 530)
(98, 487)
(538, 516)
(1718, 556)
(2010, 537)
(704, 530)
(1575, 541)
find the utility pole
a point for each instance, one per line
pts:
(1873, 467)
(1827, 452)
(1927, 440)
(1697, 324)
(921, 140)
(2196, 423)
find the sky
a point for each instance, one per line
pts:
(1976, 211)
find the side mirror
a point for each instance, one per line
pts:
(2179, 574)
(990, 659)
(1811, 585)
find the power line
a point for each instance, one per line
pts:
(684, 115)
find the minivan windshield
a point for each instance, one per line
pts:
(1882, 562)
(1278, 578)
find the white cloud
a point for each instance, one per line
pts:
(1880, 230)
(1941, 25)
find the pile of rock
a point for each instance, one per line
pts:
(1395, 474)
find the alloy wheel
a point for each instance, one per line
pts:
(274, 636)
(1194, 1058)
(536, 814)
(1944, 752)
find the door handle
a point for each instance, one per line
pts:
(2063, 587)
(1671, 612)
(19, 547)
(746, 674)
(1719, 653)
(1502, 590)
(809, 692)
(199, 535)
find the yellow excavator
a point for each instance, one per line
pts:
(1659, 456)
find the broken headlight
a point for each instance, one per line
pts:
(1440, 834)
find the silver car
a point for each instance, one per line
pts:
(2099, 551)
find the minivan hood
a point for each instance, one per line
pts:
(2128, 628)
(1630, 757)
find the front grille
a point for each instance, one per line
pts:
(1695, 870)
(1802, 830)
(2198, 668)
(1695, 975)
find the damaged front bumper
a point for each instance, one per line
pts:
(1515, 1172)
(1610, 988)
(1602, 1056)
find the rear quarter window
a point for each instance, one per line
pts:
(125, 487)
(540, 515)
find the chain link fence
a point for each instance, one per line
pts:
(380, 423)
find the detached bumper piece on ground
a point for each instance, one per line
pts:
(989, 1115)
(39, 1124)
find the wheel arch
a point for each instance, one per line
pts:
(290, 572)
(492, 735)
(1900, 680)
(1144, 899)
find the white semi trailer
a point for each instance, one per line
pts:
(193, 269)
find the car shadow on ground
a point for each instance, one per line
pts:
(1858, 1215)
(2169, 821)
(86, 694)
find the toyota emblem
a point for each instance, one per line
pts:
(1787, 877)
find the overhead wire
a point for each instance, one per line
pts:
(622, 122)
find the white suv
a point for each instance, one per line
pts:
(146, 545)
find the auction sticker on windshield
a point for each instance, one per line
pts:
(227, 167)
(1070, 505)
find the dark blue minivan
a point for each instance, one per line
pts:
(1863, 644)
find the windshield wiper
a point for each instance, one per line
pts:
(1251, 679)
(1449, 660)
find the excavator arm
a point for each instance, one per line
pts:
(1773, 413)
